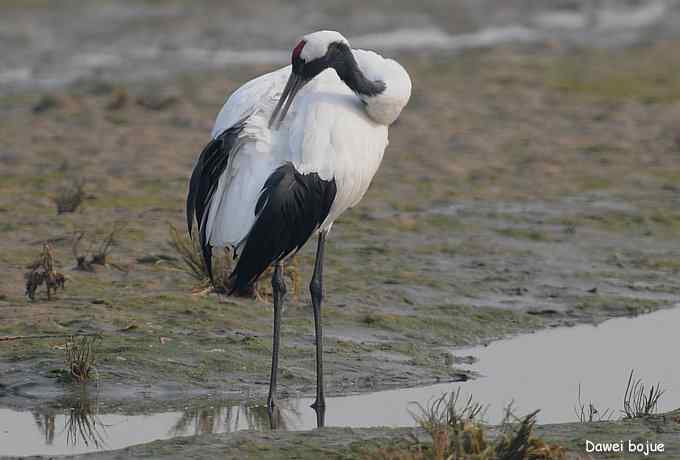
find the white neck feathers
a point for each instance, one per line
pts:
(384, 108)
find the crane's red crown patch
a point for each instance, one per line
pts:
(298, 49)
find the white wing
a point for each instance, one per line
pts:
(231, 213)
(248, 98)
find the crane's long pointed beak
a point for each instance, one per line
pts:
(294, 84)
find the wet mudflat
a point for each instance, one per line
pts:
(525, 187)
(518, 218)
(541, 370)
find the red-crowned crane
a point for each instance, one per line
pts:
(277, 172)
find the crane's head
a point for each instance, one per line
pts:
(313, 54)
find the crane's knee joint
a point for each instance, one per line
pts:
(279, 286)
(316, 290)
(278, 283)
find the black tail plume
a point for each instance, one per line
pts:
(203, 183)
(291, 207)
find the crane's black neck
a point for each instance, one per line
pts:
(348, 70)
(340, 57)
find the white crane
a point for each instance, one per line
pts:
(277, 172)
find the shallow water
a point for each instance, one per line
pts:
(537, 371)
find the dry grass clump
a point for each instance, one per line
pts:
(517, 441)
(45, 103)
(154, 99)
(97, 253)
(42, 272)
(70, 197)
(588, 413)
(457, 432)
(454, 430)
(80, 357)
(637, 401)
(189, 251)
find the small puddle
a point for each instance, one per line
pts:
(540, 370)
(543, 370)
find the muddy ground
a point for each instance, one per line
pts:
(522, 189)
(348, 443)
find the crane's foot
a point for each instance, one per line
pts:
(273, 412)
(319, 407)
(271, 401)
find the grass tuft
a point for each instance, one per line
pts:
(588, 413)
(458, 433)
(637, 401)
(42, 272)
(189, 250)
(97, 254)
(80, 357)
(70, 197)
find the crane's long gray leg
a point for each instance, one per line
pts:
(316, 291)
(279, 292)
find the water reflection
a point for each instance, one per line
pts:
(75, 425)
(84, 429)
(83, 426)
(555, 366)
(45, 424)
(81, 423)
(229, 418)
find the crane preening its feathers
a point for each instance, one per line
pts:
(290, 152)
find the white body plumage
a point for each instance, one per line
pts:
(329, 130)
(290, 152)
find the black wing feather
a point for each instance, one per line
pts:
(204, 180)
(290, 208)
